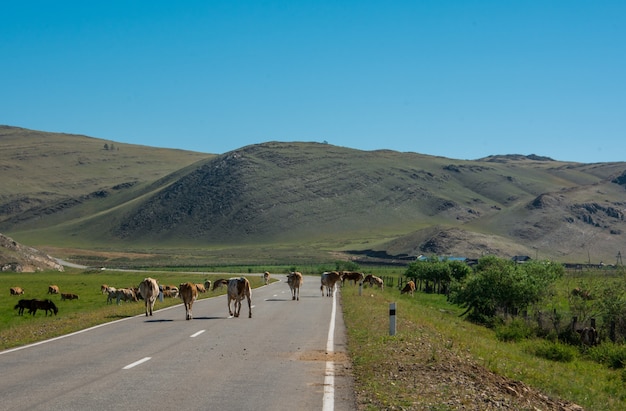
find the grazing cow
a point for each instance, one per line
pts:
(168, 291)
(171, 291)
(329, 279)
(201, 288)
(189, 294)
(125, 294)
(351, 276)
(53, 289)
(149, 290)
(68, 296)
(17, 291)
(46, 305)
(266, 277)
(21, 305)
(238, 289)
(409, 288)
(207, 285)
(372, 280)
(111, 294)
(219, 283)
(295, 280)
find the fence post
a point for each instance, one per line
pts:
(612, 331)
(392, 318)
(360, 288)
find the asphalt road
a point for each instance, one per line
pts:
(290, 355)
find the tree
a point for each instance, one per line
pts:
(502, 287)
(436, 275)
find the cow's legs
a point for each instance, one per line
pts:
(249, 306)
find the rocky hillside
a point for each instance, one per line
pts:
(16, 257)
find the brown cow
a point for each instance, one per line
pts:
(171, 291)
(201, 288)
(409, 288)
(189, 293)
(125, 294)
(17, 291)
(351, 276)
(295, 280)
(374, 281)
(329, 279)
(219, 283)
(53, 289)
(266, 277)
(238, 289)
(104, 289)
(68, 296)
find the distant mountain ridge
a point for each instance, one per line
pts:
(339, 198)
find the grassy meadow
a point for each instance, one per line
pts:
(90, 309)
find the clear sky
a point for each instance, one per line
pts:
(462, 79)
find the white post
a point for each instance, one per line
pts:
(360, 288)
(392, 318)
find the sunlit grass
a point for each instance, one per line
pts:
(89, 310)
(429, 319)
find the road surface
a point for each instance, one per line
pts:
(290, 355)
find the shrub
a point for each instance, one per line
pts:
(515, 330)
(553, 351)
(609, 354)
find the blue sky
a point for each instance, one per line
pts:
(460, 79)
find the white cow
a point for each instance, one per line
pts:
(149, 290)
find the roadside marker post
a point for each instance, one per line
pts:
(392, 318)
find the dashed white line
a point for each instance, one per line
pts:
(136, 363)
(197, 334)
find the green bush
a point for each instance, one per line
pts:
(609, 354)
(515, 330)
(553, 351)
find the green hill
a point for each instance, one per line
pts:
(69, 191)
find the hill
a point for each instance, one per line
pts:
(16, 257)
(369, 205)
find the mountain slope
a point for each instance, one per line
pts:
(335, 198)
(40, 169)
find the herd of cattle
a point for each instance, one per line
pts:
(238, 289)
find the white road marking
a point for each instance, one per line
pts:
(328, 403)
(136, 363)
(197, 334)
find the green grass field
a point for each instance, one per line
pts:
(90, 309)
